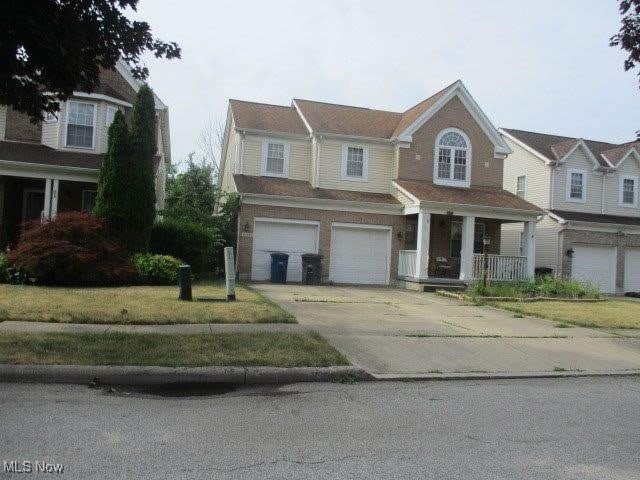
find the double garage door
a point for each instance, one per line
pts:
(359, 253)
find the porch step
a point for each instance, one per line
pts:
(432, 287)
(450, 285)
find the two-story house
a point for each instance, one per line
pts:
(383, 196)
(53, 165)
(589, 191)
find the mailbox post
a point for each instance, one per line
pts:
(230, 273)
(184, 274)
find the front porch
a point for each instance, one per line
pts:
(449, 249)
(25, 199)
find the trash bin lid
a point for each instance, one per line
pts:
(311, 256)
(279, 256)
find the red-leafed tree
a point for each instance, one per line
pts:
(72, 249)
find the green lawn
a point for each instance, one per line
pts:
(605, 314)
(141, 305)
(239, 349)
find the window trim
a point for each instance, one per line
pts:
(365, 163)
(66, 125)
(451, 182)
(265, 151)
(524, 191)
(635, 191)
(568, 186)
(106, 115)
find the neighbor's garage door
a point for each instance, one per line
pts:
(276, 235)
(632, 270)
(596, 265)
(360, 254)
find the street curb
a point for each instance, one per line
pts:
(498, 375)
(145, 376)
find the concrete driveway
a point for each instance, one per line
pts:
(398, 333)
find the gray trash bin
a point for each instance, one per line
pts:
(311, 268)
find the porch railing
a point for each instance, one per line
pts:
(407, 263)
(500, 267)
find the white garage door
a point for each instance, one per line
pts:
(596, 265)
(360, 254)
(632, 270)
(275, 235)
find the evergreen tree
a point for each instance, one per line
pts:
(141, 179)
(112, 197)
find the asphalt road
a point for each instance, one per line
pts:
(544, 429)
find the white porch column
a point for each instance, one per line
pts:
(55, 186)
(422, 248)
(46, 213)
(466, 250)
(529, 247)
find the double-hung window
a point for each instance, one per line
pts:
(80, 124)
(521, 186)
(576, 185)
(275, 159)
(111, 113)
(628, 191)
(452, 158)
(354, 162)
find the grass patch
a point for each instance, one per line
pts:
(137, 305)
(547, 286)
(239, 349)
(605, 314)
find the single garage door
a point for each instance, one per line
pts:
(277, 235)
(360, 254)
(595, 264)
(632, 270)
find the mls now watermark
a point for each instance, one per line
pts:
(27, 466)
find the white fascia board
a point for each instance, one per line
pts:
(321, 204)
(304, 120)
(459, 90)
(633, 151)
(520, 143)
(355, 138)
(100, 96)
(39, 170)
(271, 134)
(581, 144)
(406, 192)
(459, 209)
(603, 227)
(123, 69)
(225, 145)
(557, 218)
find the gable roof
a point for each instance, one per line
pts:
(411, 115)
(556, 147)
(347, 120)
(265, 117)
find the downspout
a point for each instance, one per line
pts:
(242, 136)
(319, 150)
(604, 174)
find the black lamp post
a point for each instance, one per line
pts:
(485, 260)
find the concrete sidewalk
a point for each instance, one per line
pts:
(17, 326)
(400, 334)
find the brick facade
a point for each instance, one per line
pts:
(20, 129)
(326, 217)
(570, 237)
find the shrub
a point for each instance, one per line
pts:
(546, 286)
(5, 269)
(72, 249)
(189, 241)
(156, 269)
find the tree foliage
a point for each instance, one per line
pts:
(58, 46)
(628, 37)
(141, 188)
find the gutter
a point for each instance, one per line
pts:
(391, 207)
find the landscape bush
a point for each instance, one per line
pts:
(5, 268)
(156, 269)
(72, 249)
(543, 286)
(193, 243)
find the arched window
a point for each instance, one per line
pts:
(452, 158)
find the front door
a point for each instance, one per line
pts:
(32, 204)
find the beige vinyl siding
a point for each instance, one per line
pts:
(578, 160)
(50, 132)
(547, 231)
(380, 167)
(299, 156)
(3, 121)
(612, 189)
(538, 182)
(228, 185)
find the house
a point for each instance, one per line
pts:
(589, 191)
(53, 165)
(385, 197)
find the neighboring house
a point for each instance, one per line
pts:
(53, 165)
(382, 196)
(589, 190)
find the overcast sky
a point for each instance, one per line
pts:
(539, 65)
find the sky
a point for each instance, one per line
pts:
(540, 65)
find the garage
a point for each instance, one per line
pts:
(595, 264)
(360, 253)
(293, 237)
(632, 270)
